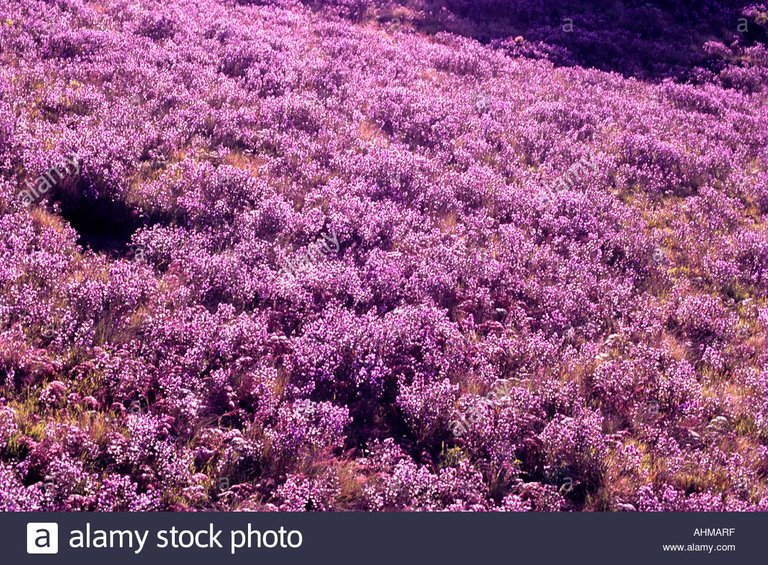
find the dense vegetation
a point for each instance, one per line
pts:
(462, 255)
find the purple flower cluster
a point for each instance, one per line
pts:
(305, 242)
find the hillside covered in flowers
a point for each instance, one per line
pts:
(492, 255)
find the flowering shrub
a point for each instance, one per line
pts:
(346, 255)
(575, 447)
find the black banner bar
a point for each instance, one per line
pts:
(385, 538)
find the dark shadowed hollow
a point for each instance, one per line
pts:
(102, 225)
